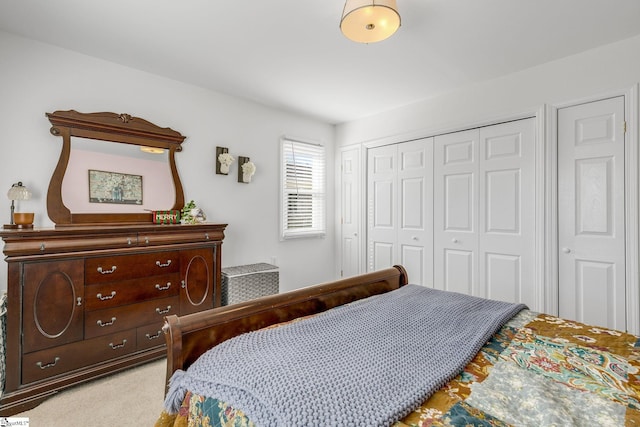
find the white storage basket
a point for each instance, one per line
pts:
(246, 282)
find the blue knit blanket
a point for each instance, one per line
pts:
(369, 363)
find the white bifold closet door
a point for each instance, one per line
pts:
(400, 208)
(484, 200)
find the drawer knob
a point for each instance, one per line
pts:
(101, 271)
(106, 297)
(162, 265)
(117, 346)
(165, 311)
(129, 241)
(42, 247)
(154, 337)
(146, 240)
(48, 365)
(163, 288)
(206, 236)
(103, 324)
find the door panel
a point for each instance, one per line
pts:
(382, 255)
(484, 216)
(53, 304)
(198, 289)
(383, 195)
(595, 291)
(593, 206)
(412, 258)
(503, 276)
(400, 208)
(415, 210)
(412, 216)
(506, 247)
(458, 202)
(350, 215)
(503, 201)
(381, 205)
(455, 182)
(591, 229)
(459, 271)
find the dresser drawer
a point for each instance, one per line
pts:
(120, 267)
(110, 320)
(58, 360)
(42, 245)
(150, 336)
(106, 295)
(182, 236)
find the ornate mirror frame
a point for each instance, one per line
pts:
(111, 127)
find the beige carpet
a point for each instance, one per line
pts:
(130, 398)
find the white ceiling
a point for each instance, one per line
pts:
(290, 54)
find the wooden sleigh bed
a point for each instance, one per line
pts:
(534, 369)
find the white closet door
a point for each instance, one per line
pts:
(382, 200)
(484, 207)
(455, 211)
(507, 212)
(591, 230)
(350, 211)
(415, 210)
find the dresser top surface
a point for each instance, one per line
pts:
(107, 229)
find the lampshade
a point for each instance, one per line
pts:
(18, 192)
(369, 21)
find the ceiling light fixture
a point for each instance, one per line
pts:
(151, 150)
(369, 21)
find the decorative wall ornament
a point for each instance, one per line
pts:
(223, 160)
(246, 169)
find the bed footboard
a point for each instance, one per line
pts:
(189, 336)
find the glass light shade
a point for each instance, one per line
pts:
(18, 192)
(151, 150)
(369, 21)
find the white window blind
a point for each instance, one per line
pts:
(303, 189)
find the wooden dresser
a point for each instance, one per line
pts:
(87, 301)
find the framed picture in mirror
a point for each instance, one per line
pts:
(115, 187)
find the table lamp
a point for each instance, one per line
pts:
(19, 219)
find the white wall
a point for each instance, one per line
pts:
(36, 78)
(612, 67)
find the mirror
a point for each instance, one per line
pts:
(93, 164)
(99, 182)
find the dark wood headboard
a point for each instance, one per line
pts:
(190, 336)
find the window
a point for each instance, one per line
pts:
(302, 189)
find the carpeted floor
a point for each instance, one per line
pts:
(130, 398)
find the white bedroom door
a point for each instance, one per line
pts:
(591, 213)
(350, 212)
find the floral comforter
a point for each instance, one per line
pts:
(538, 370)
